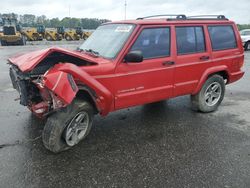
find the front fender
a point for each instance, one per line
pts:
(206, 74)
(62, 84)
(104, 97)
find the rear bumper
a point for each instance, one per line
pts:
(236, 76)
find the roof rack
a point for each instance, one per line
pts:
(176, 16)
(207, 17)
(184, 17)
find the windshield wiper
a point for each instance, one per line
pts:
(92, 52)
(79, 49)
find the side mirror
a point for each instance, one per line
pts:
(134, 57)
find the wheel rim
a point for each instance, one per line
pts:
(77, 128)
(213, 94)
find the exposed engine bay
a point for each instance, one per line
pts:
(55, 58)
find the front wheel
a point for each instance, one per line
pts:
(48, 37)
(68, 127)
(210, 95)
(68, 38)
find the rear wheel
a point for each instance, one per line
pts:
(247, 46)
(210, 95)
(68, 127)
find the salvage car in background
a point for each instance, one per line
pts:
(245, 36)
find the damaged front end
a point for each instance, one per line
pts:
(46, 80)
(43, 94)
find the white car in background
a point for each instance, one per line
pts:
(245, 36)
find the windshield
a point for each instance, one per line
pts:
(244, 32)
(108, 40)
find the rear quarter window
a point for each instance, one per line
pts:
(222, 37)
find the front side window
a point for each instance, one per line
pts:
(153, 42)
(108, 40)
(222, 37)
(190, 39)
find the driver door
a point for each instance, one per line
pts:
(152, 79)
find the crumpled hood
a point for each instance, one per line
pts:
(28, 61)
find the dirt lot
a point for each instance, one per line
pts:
(155, 145)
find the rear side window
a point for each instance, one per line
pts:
(153, 42)
(190, 39)
(222, 37)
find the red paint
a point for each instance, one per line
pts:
(57, 82)
(117, 84)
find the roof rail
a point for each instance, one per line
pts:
(184, 17)
(207, 17)
(176, 16)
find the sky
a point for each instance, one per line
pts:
(115, 10)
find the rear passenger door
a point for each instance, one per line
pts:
(192, 57)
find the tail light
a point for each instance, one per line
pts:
(241, 63)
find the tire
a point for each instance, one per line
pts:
(3, 43)
(22, 41)
(58, 126)
(48, 38)
(210, 96)
(68, 38)
(247, 46)
(35, 37)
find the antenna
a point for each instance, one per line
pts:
(69, 10)
(125, 12)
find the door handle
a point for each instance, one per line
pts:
(166, 63)
(204, 57)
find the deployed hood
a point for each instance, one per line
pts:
(29, 61)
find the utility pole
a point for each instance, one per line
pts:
(69, 10)
(125, 13)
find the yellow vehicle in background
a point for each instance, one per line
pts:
(68, 34)
(49, 35)
(11, 34)
(82, 34)
(52, 35)
(32, 34)
(86, 34)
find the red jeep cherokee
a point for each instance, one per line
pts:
(124, 64)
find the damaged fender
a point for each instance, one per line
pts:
(61, 84)
(61, 81)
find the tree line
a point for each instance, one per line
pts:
(30, 20)
(243, 26)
